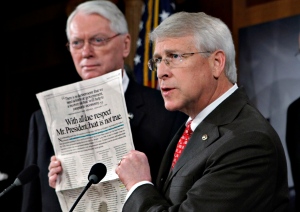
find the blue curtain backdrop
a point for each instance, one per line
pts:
(269, 69)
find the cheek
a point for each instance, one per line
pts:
(108, 57)
(76, 59)
(201, 72)
(194, 83)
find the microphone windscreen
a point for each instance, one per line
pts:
(97, 173)
(28, 174)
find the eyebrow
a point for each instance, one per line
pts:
(93, 36)
(168, 51)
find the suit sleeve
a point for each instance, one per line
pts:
(32, 191)
(237, 176)
(38, 195)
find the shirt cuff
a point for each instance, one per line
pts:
(135, 186)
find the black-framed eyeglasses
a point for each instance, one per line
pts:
(94, 41)
(171, 59)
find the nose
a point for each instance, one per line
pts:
(87, 50)
(163, 70)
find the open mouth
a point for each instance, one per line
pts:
(166, 89)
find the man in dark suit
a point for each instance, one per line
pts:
(99, 42)
(231, 158)
(293, 146)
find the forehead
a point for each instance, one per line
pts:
(178, 44)
(89, 25)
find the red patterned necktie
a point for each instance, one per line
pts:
(182, 142)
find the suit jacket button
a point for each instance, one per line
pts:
(162, 179)
(204, 137)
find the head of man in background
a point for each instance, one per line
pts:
(98, 43)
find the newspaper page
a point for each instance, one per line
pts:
(88, 123)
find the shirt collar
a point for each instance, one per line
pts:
(199, 118)
(125, 80)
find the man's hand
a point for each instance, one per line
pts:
(54, 170)
(133, 168)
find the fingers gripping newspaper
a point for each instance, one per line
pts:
(88, 123)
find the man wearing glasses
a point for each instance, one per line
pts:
(228, 158)
(99, 42)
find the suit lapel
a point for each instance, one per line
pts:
(204, 135)
(134, 100)
(167, 159)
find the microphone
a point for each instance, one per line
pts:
(97, 173)
(27, 175)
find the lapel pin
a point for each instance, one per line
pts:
(130, 115)
(204, 137)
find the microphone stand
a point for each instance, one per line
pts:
(82, 193)
(7, 189)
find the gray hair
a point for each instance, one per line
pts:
(105, 9)
(210, 34)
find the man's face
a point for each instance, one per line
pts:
(95, 60)
(190, 85)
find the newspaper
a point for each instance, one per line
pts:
(88, 123)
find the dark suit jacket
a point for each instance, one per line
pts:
(234, 161)
(152, 129)
(293, 145)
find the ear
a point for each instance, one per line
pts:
(218, 63)
(127, 43)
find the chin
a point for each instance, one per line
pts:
(90, 76)
(170, 107)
